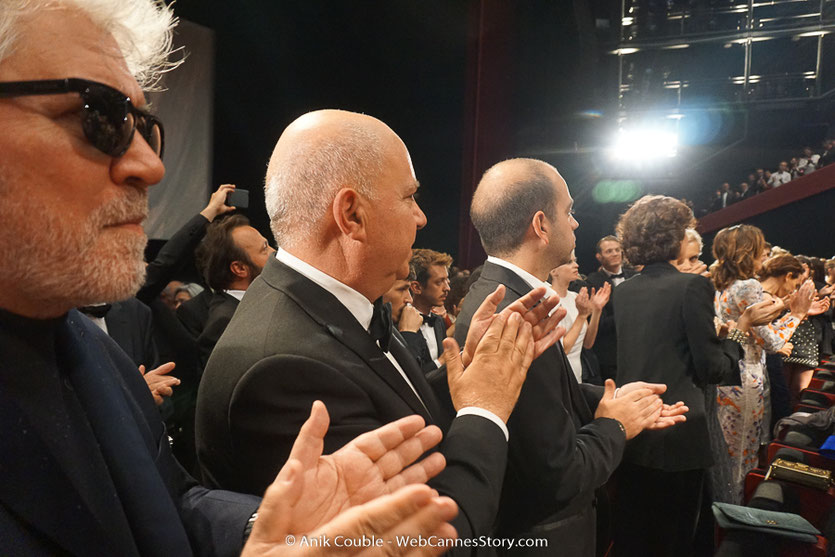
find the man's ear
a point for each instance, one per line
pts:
(239, 269)
(599, 257)
(540, 226)
(415, 287)
(350, 214)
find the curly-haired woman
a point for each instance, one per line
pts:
(743, 411)
(666, 334)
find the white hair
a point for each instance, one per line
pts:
(301, 184)
(141, 28)
(692, 236)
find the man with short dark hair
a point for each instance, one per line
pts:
(565, 438)
(429, 290)
(231, 256)
(612, 270)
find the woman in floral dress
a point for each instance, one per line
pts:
(743, 412)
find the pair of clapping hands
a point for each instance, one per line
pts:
(370, 487)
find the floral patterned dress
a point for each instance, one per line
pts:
(743, 412)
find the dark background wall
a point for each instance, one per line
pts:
(466, 83)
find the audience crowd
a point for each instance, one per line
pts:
(349, 386)
(761, 180)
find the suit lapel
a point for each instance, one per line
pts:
(324, 308)
(517, 287)
(37, 486)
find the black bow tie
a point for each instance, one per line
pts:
(430, 319)
(380, 327)
(619, 275)
(95, 311)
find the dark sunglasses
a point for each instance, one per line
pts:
(109, 119)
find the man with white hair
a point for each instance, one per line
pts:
(85, 459)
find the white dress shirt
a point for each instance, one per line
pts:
(362, 310)
(237, 294)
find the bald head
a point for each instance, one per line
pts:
(506, 199)
(317, 155)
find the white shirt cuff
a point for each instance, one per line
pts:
(476, 411)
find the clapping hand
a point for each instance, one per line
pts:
(583, 303)
(315, 496)
(545, 330)
(600, 298)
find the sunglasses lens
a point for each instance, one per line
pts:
(107, 123)
(151, 130)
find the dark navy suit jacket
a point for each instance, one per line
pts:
(43, 511)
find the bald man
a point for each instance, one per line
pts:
(340, 194)
(565, 439)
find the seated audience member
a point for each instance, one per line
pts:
(87, 467)
(688, 259)
(726, 197)
(666, 334)
(808, 163)
(780, 177)
(582, 312)
(565, 438)
(744, 418)
(231, 255)
(429, 290)
(613, 271)
(312, 326)
(828, 154)
(745, 192)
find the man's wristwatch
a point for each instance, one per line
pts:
(249, 524)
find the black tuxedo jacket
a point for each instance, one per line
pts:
(194, 313)
(171, 258)
(420, 349)
(666, 335)
(126, 497)
(290, 343)
(606, 344)
(129, 323)
(558, 453)
(221, 309)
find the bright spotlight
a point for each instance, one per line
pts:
(644, 145)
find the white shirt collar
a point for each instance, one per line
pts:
(238, 294)
(523, 274)
(356, 303)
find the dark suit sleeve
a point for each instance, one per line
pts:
(214, 520)
(715, 361)
(273, 400)
(592, 394)
(171, 256)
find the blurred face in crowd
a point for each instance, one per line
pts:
(564, 274)
(690, 252)
(255, 246)
(784, 166)
(435, 291)
(71, 216)
(181, 297)
(791, 283)
(610, 255)
(398, 296)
